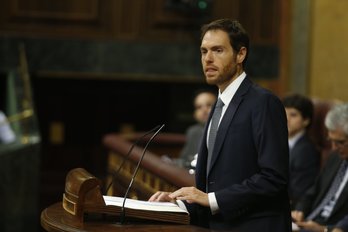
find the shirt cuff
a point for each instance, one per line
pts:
(214, 207)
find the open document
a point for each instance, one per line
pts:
(159, 211)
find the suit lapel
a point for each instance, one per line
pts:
(227, 119)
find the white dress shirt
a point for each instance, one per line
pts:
(226, 97)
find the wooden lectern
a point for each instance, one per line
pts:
(82, 198)
(82, 194)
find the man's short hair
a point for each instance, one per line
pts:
(337, 118)
(301, 103)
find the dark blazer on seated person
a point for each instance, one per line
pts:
(317, 192)
(343, 224)
(249, 167)
(304, 167)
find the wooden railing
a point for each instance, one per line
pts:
(153, 175)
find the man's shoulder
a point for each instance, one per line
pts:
(262, 95)
(306, 141)
(258, 90)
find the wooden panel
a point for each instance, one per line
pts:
(132, 19)
(79, 10)
(160, 14)
(261, 19)
(146, 20)
(128, 18)
(160, 23)
(328, 50)
(226, 9)
(64, 18)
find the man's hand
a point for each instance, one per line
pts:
(161, 197)
(311, 226)
(191, 195)
(297, 216)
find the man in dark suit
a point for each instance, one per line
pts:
(242, 175)
(304, 156)
(326, 202)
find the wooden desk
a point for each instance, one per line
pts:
(55, 219)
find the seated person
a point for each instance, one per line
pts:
(325, 203)
(304, 157)
(203, 101)
(6, 133)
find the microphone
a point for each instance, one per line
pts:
(128, 154)
(123, 211)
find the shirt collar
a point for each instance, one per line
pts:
(295, 138)
(231, 89)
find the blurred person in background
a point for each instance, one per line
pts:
(203, 101)
(325, 204)
(304, 156)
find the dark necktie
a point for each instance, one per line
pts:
(331, 192)
(213, 130)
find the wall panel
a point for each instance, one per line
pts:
(132, 19)
(64, 18)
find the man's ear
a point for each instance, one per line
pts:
(241, 55)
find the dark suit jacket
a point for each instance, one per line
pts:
(304, 167)
(317, 192)
(250, 166)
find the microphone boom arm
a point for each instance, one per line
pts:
(123, 213)
(128, 154)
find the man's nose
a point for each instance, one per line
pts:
(208, 57)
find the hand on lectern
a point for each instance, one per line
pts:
(162, 197)
(188, 194)
(191, 195)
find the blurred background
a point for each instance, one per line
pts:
(72, 71)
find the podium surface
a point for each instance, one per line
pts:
(55, 219)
